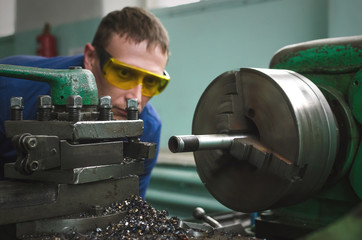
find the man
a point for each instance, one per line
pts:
(128, 57)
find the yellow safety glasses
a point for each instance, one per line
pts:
(125, 76)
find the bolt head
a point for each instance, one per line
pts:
(105, 102)
(16, 103)
(34, 166)
(31, 142)
(132, 103)
(74, 101)
(44, 101)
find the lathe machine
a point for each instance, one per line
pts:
(74, 158)
(282, 142)
(285, 142)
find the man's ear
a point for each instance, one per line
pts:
(90, 56)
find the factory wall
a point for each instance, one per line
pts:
(207, 39)
(344, 18)
(6, 46)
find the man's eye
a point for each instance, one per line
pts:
(124, 73)
(149, 81)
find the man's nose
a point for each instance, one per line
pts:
(135, 92)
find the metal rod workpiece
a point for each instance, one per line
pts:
(191, 143)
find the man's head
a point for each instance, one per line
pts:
(132, 37)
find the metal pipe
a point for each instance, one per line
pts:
(191, 143)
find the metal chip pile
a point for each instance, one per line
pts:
(141, 221)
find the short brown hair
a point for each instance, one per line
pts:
(137, 24)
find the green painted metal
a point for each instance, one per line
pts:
(331, 204)
(355, 96)
(348, 227)
(328, 58)
(62, 82)
(333, 65)
(179, 190)
(355, 175)
(335, 69)
(348, 133)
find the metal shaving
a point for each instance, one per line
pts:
(142, 221)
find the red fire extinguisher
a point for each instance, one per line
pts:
(46, 43)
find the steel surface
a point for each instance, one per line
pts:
(66, 199)
(290, 117)
(79, 175)
(82, 130)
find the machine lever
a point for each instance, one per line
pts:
(199, 214)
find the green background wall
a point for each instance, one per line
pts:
(211, 37)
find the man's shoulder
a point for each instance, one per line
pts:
(151, 124)
(150, 114)
(60, 62)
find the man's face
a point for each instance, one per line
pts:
(138, 55)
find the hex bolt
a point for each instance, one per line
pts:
(199, 214)
(74, 106)
(132, 114)
(31, 142)
(132, 109)
(34, 166)
(105, 113)
(16, 108)
(44, 107)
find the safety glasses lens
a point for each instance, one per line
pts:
(127, 77)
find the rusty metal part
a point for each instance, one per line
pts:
(67, 225)
(332, 55)
(132, 109)
(139, 150)
(105, 108)
(90, 154)
(62, 82)
(39, 152)
(44, 200)
(36, 152)
(79, 175)
(16, 108)
(290, 120)
(82, 130)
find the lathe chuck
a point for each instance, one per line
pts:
(286, 116)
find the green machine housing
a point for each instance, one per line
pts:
(335, 66)
(285, 141)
